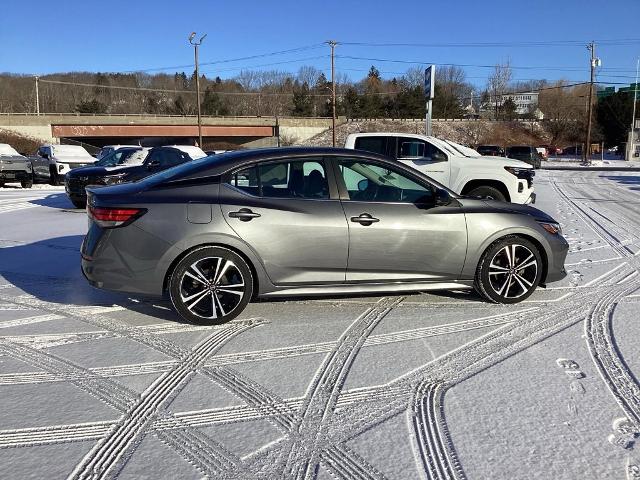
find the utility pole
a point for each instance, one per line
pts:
(332, 44)
(196, 45)
(37, 97)
(593, 63)
(633, 119)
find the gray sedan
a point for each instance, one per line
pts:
(216, 232)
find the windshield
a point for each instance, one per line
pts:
(122, 157)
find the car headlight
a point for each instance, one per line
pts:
(114, 179)
(521, 172)
(552, 228)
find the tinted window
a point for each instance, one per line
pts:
(288, 179)
(372, 144)
(167, 158)
(246, 180)
(373, 183)
(415, 148)
(520, 150)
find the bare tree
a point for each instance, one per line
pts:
(498, 85)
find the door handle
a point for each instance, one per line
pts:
(244, 215)
(365, 219)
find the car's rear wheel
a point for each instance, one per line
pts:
(509, 270)
(211, 285)
(490, 193)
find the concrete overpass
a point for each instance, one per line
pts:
(101, 130)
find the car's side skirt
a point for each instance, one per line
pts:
(360, 288)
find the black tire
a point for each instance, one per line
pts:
(1, 184)
(501, 282)
(490, 193)
(211, 304)
(54, 178)
(79, 203)
(27, 183)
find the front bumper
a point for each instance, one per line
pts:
(14, 175)
(555, 268)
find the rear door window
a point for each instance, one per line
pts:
(285, 179)
(373, 144)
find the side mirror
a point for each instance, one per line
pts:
(442, 198)
(153, 164)
(438, 157)
(363, 184)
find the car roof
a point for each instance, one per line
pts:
(191, 150)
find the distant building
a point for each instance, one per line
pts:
(526, 104)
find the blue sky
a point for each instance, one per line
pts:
(115, 35)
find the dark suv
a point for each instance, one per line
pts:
(490, 150)
(158, 159)
(526, 154)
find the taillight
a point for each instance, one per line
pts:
(108, 217)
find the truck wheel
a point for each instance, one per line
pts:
(79, 203)
(54, 178)
(27, 183)
(490, 193)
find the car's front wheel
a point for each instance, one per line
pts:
(211, 285)
(509, 270)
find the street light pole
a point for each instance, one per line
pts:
(332, 44)
(196, 45)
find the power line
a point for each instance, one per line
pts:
(228, 60)
(580, 43)
(269, 64)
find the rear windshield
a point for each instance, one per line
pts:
(180, 170)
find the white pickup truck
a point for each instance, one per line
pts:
(52, 162)
(457, 167)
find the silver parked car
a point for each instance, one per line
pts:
(216, 232)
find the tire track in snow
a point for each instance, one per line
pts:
(110, 453)
(49, 340)
(320, 402)
(431, 436)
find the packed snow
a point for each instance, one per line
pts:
(441, 386)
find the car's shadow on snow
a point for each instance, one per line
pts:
(54, 200)
(50, 271)
(631, 181)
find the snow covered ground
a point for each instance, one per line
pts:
(439, 386)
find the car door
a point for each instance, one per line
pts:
(289, 212)
(40, 163)
(424, 157)
(396, 233)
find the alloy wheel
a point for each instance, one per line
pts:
(212, 287)
(513, 271)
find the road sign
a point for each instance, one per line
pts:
(429, 81)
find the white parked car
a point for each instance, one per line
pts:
(457, 167)
(52, 162)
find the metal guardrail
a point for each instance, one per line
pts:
(150, 115)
